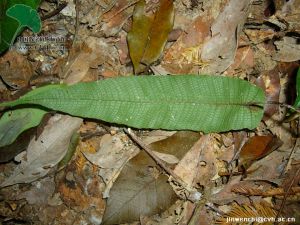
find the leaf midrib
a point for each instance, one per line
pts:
(139, 101)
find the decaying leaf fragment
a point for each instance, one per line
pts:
(149, 33)
(111, 156)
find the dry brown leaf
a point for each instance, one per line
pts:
(174, 215)
(90, 12)
(288, 50)
(244, 60)
(111, 156)
(177, 144)
(183, 55)
(118, 7)
(256, 148)
(149, 33)
(88, 55)
(258, 36)
(76, 70)
(115, 18)
(219, 51)
(273, 163)
(290, 13)
(190, 169)
(292, 177)
(224, 195)
(45, 152)
(187, 212)
(269, 81)
(123, 49)
(140, 189)
(168, 158)
(137, 192)
(156, 135)
(40, 192)
(16, 70)
(201, 216)
(114, 26)
(69, 10)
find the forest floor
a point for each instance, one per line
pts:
(106, 177)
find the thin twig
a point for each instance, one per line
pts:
(284, 105)
(290, 158)
(153, 156)
(286, 194)
(190, 190)
(77, 9)
(55, 12)
(236, 155)
(211, 206)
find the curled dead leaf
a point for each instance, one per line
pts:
(256, 148)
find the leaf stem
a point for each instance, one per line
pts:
(15, 35)
(191, 190)
(284, 105)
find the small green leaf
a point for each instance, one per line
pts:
(297, 102)
(206, 103)
(149, 34)
(14, 122)
(26, 16)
